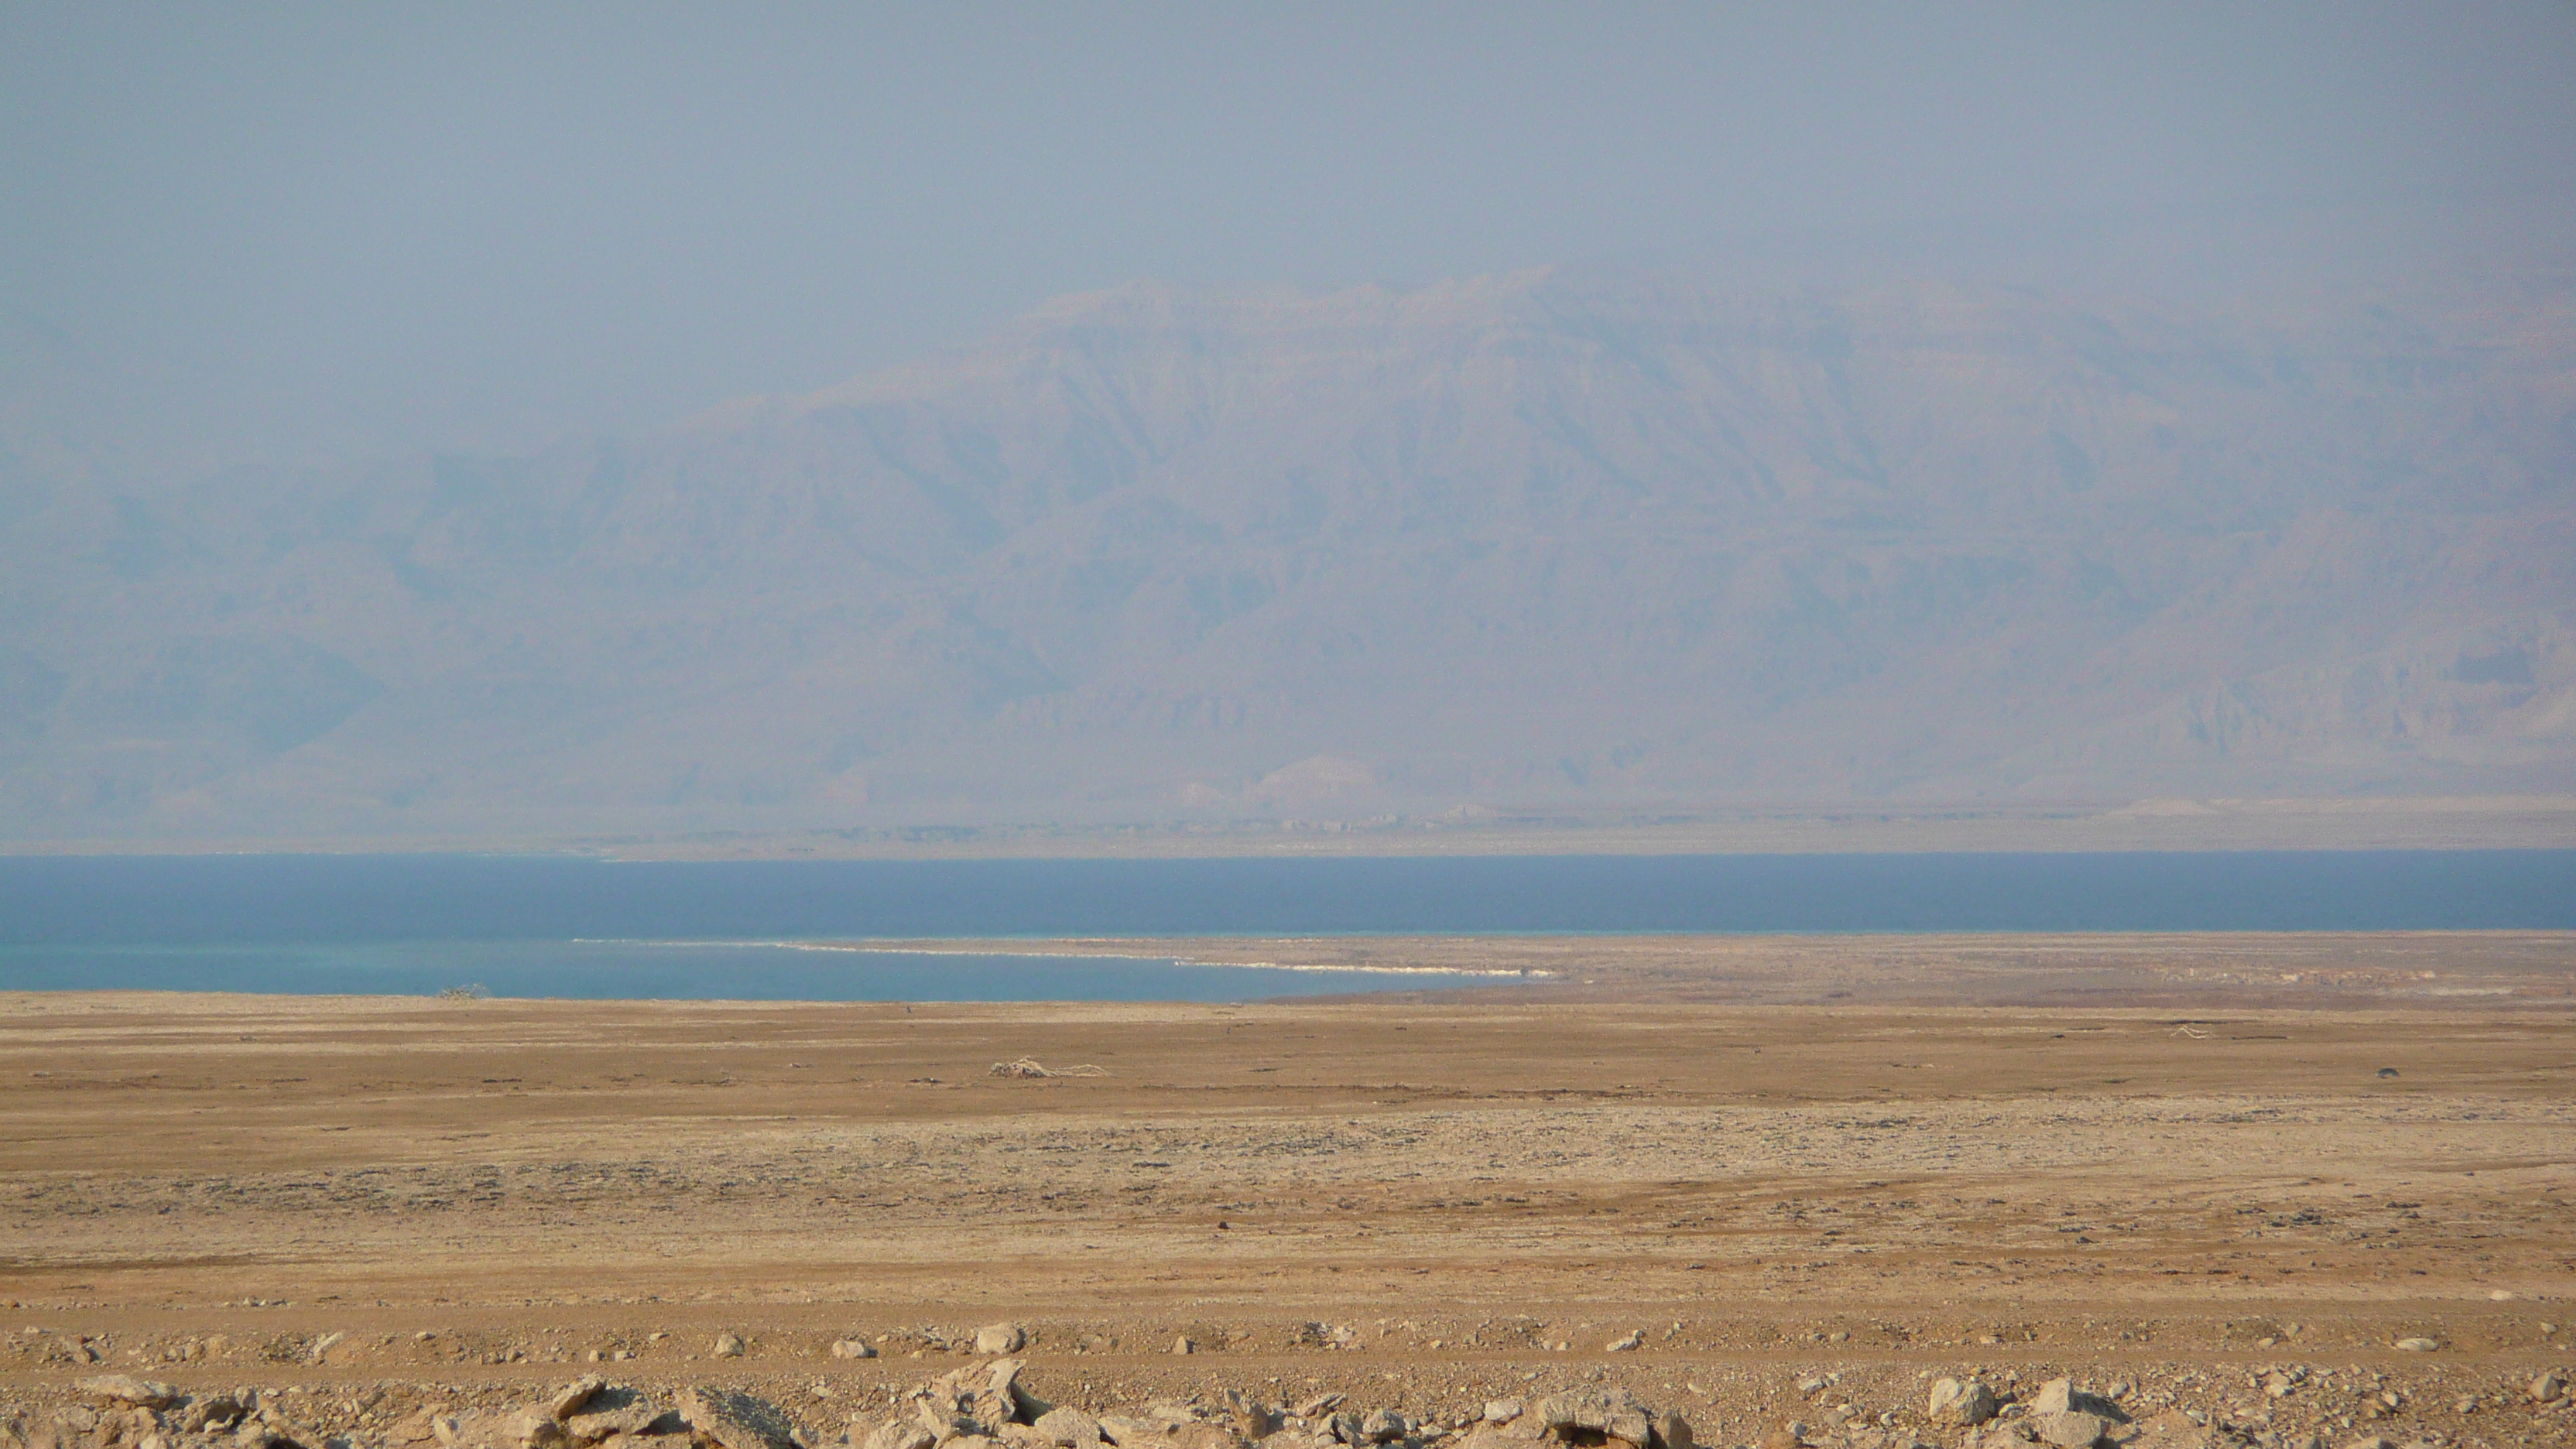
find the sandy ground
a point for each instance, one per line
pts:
(2158, 1162)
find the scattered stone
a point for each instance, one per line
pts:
(2418, 1345)
(728, 1345)
(1251, 1420)
(1967, 1404)
(901, 1434)
(853, 1348)
(733, 1420)
(127, 1389)
(2549, 1388)
(1184, 1345)
(1635, 1340)
(1383, 1427)
(1502, 1411)
(575, 1395)
(1000, 1338)
(1672, 1431)
(322, 1346)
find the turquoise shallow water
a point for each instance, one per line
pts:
(560, 926)
(672, 971)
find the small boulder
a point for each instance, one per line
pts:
(1068, 1426)
(1000, 1338)
(1383, 1427)
(2070, 1429)
(127, 1389)
(1502, 1411)
(2549, 1388)
(2418, 1345)
(2060, 1396)
(600, 1419)
(575, 1395)
(733, 1420)
(1636, 1339)
(1576, 1415)
(1183, 1344)
(853, 1348)
(1672, 1431)
(1966, 1403)
(537, 1429)
(728, 1345)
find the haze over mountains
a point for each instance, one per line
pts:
(1545, 538)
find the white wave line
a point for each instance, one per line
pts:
(1512, 973)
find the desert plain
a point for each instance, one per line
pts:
(2254, 1190)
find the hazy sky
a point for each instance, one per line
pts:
(312, 230)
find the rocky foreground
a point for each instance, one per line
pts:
(990, 1403)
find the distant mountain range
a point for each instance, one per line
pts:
(1157, 556)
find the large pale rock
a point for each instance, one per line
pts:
(2549, 1388)
(601, 1419)
(1967, 1402)
(1672, 1431)
(2418, 1345)
(1612, 1413)
(2060, 1396)
(1000, 1338)
(537, 1429)
(728, 1345)
(733, 1420)
(575, 1395)
(978, 1401)
(2069, 1429)
(127, 1389)
(1067, 1426)
(851, 1348)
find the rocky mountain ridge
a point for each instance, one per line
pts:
(1551, 537)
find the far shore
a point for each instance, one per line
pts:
(2483, 822)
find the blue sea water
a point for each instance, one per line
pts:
(561, 926)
